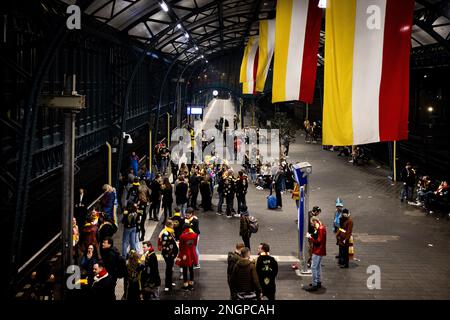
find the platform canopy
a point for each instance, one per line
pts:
(213, 26)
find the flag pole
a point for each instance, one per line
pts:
(395, 160)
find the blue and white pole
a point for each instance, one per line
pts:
(301, 172)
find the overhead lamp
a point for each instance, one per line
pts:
(179, 26)
(322, 4)
(202, 56)
(206, 61)
(129, 140)
(164, 6)
(196, 48)
(430, 109)
(186, 35)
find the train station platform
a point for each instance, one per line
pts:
(410, 247)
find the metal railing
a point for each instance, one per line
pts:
(45, 252)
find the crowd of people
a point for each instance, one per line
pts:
(422, 191)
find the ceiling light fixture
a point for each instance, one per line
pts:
(164, 6)
(179, 26)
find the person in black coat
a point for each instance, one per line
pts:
(149, 280)
(194, 187)
(205, 190)
(81, 207)
(155, 198)
(103, 286)
(181, 191)
(167, 199)
(278, 185)
(267, 270)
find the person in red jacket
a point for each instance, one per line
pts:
(187, 256)
(319, 242)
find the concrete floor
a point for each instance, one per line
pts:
(411, 249)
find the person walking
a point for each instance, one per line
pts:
(344, 236)
(267, 271)
(244, 227)
(187, 256)
(169, 250)
(244, 280)
(319, 242)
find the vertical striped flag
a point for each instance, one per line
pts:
(366, 86)
(266, 48)
(297, 32)
(249, 66)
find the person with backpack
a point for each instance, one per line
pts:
(169, 250)
(130, 220)
(233, 258)
(133, 193)
(245, 230)
(178, 222)
(149, 279)
(267, 270)
(244, 280)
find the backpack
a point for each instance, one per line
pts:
(132, 219)
(253, 224)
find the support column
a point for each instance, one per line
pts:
(68, 194)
